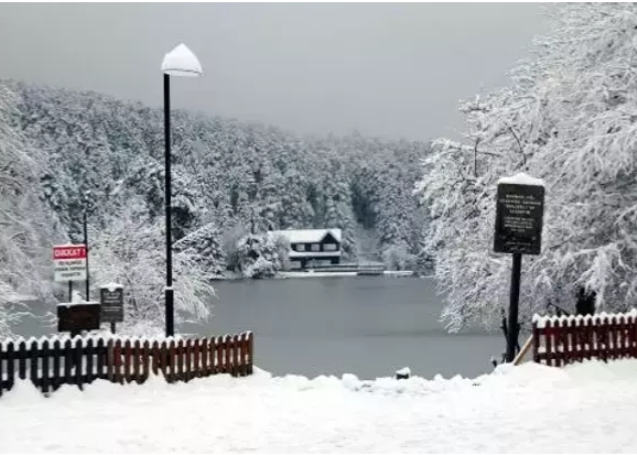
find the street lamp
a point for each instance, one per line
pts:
(178, 62)
(86, 199)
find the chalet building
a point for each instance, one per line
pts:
(312, 246)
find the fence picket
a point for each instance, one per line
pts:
(2, 362)
(32, 355)
(633, 336)
(89, 352)
(136, 353)
(44, 384)
(22, 360)
(215, 354)
(68, 362)
(155, 360)
(235, 356)
(57, 364)
(250, 352)
(78, 362)
(145, 361)
(172, 356)
(548, 333)
(188, 361)
(197, 358)
(100, 354)
(10, 365)
(117, 362)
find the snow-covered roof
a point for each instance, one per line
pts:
(111, 286)
(314, 254)
(307, 235)
(181, 62)
(521, 179)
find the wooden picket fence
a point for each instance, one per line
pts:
(558, 341)
(52, 362)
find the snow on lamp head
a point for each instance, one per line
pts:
(181, 62)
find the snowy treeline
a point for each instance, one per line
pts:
(567, 117)
(228, 176)
(232, 182)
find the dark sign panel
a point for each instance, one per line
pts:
(112, 301)
(518, 221)
(75, 318)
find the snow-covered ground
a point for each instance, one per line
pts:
(531, 408)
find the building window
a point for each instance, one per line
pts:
(329, 247)
(299, 247)
(316, 247)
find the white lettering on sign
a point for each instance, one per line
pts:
(69, 262)
(69, 252)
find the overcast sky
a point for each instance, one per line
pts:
(391, 70)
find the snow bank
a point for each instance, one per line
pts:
(530, 408)
(521, 179)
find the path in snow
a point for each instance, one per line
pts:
(585, 408)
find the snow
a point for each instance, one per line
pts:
(531, 408)
(521, 179)
(181, 62)
(404, 371)
(580, 319)
(307, 235)
(398, 273)
(81, 302)
(314, 274)
(112, 286)
(314, 254)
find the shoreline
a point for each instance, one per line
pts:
(282, 275)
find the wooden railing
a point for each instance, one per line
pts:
(558, 341)
(52, 362)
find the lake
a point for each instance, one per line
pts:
(369, 326)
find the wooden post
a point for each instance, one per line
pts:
(524, 350)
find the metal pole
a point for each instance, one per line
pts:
(70, 291)
(169, 295)
(88, 297)
(512, 333)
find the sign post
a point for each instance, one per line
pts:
(112, 303)
(518, 231)
(69, 264)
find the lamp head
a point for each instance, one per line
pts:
(181, 62)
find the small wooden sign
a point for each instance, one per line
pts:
(519, 217)
(77, 317)
(112, 303)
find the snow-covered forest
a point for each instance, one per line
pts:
(568, 117)
(72, 150)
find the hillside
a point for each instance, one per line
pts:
(229, 177)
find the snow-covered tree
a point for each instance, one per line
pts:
(130, 251)
(26, 227)
(568, 117)
(258, 256)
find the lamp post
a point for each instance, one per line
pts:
(178, 62)
(86, 201)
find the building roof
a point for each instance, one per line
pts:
(307, 235)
